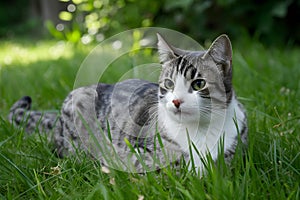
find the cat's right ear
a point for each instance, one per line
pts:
(166, 52)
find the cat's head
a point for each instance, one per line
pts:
(193, 83)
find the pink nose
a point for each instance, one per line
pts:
(176, 103)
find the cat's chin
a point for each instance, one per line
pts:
(180, 115)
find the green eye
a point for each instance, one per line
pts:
(169, 84)
(198, 84)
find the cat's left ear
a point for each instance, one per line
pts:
(166, 51)
(221, 52)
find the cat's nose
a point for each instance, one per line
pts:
(177, 102)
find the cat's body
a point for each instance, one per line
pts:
(189, 112)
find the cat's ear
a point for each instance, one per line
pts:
(166, 51)
(221, 52)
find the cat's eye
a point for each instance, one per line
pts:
(169, 84)
(198, 84)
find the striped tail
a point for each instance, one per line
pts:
(21, 115)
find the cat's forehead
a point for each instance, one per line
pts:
(191, 57)
(203, 64)
(191, 66)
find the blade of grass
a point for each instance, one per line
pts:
(26, 178)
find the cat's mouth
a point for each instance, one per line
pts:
(179, 111)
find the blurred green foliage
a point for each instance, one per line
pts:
(270, 21)
(94, 19)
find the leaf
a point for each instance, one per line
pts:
(65, 16)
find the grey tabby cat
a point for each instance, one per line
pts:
(137, 125)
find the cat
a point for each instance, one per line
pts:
(137, 125)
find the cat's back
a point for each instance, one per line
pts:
(128, 105)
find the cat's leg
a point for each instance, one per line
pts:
(21, 115)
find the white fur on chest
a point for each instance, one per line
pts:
(205, 136)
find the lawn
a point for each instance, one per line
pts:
(265, 79)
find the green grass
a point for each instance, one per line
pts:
(266, 81)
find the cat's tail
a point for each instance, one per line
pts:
(21, 115)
